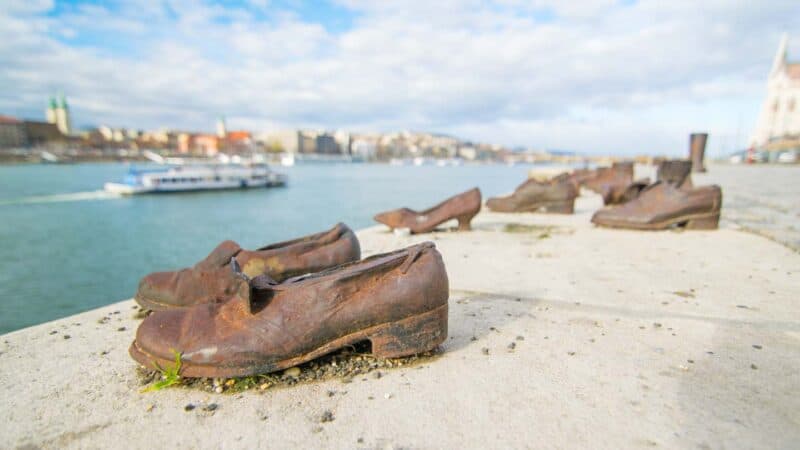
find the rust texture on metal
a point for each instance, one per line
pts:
(675, 171)
(553, 196)
(662, 205)
(697, 151)
(615, 184)
(397, 301)
(462, 207)
(212, 281)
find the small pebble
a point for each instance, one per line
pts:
(377, 374)
(121, 329)
(656, 325)
(756, 346)
(520, 338)
(387, 396)
(218, 389)
(753, 366)
(294, 372)
(327, 416)
(485, 351)
(512, 346)
(66, 336)
(210, 407)
(571, 353)
(188, 407)
(54, 332)
(360, 441)
(150, 407)
(473, 338)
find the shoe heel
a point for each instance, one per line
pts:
(710, 222)
(464, 222)
(565, 207)
(415, 334)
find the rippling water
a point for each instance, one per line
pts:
(67, 246)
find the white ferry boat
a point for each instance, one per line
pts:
(193, 177)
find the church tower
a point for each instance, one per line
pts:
(780, 114)
(222, 131)
(51, 110)
(63, 120)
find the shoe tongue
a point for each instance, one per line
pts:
(220, 256)
(258, 290)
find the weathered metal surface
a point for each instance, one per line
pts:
(663, 205)
(212, 281)
(675, 171)
(555, 196)
(697, 150)
(462, 207)
(396, 300)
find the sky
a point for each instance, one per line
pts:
(593, 76)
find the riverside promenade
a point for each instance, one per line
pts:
(561, 335)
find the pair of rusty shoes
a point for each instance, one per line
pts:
(670, 201)
(241, 312)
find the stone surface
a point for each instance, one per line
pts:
(623, 340)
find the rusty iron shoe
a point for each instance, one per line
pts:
(615, 195)
(211, 280)
(611, 179)
(676, 172)
(552, 197)
(397, 301)
(662, 205)
(462, 207)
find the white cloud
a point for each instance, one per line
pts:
(592, 76)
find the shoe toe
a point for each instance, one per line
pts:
(392, 219)
(157, 289)
(607, 215)
(159, 335)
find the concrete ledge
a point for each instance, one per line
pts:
(621, 340)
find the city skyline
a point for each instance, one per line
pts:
(619, 77)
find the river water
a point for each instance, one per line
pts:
(66, 246)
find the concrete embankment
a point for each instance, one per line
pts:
(561, 335)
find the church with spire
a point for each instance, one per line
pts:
(780, 114)
(58, 114)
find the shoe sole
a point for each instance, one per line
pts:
(415, 334)
(705, 221)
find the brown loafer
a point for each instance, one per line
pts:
(397, 301)
(462, 207)
(662, 205)
(552, 197)
(211, 280)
